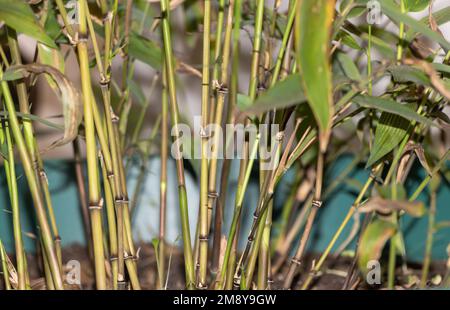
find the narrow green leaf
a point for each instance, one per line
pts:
(416, 5)
(358, 7)
(244, 102)
(390, 131)
(285, 93)
(313, 38)
(145, 50)
(393, 11)
(348, 66)
(441, 17)
(391, 106)
(19, 16)
(348, 39)
(406, 74)
(373, 240)
(441, 67)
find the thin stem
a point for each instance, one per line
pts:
(14, 199)
(337, 234)
(188, 257)
(163, 182)
(33, 185)
(203, 220)
(95, 200)
(401, 33)
(5, 270)
(316, 204)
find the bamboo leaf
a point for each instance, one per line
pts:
(145, 50)
(348, 66)
(391, 106)
(313, 38)
(285, 93)
(390, 131)
(373, 240)
(244, 102)
(69, 96)
(358, 7)
(348, 39)
(19, 16)
(406, 74)
(393, 12)
(441, 67)
(441, 17)
(386, 207)
(416, 5)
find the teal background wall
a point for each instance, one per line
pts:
(145, 221)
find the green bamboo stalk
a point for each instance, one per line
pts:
(259, 14)
(81, 185)
(244, 177)
(217, 57)
(14, 200)
(129, 250)
(5, 270)
(282, 53)
(163, 182)
(114, 166)
(401, 33)
(259, 18)
(33, 184)
(344, 223)
(31, 143)
(112, 226)
(232, 99)
(95, 200)
(222, 90)
(203, 219)
(188, 257)
(47, 272)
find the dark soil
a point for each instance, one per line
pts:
(334, 277)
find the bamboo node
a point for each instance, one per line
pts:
(104, 81)
(213, 195)
(82, 37)
(43, 175)
(317, 203)
(203, 238)
(114, 117)
(96, 206)
(296, 261)
(279, 136)
(73, 40)
(113, 258)
(204, 134)
(108, 17)
(376, 178)
(57, 238)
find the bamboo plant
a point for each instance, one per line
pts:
(317, 70)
